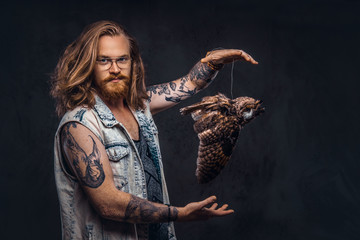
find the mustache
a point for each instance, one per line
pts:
(119, 76)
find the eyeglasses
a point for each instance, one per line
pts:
(106, 63)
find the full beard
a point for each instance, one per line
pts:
(113, 91)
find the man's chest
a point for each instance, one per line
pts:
(130, 124)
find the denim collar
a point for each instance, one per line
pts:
(107, 117)
(104, 113)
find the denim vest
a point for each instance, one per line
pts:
(79, 220)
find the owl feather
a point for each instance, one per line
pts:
(218, 121)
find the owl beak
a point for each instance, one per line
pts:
(259, 109)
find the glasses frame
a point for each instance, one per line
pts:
(114, 60)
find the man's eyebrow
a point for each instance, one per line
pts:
(104, 56)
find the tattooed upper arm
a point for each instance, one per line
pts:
(87, 157)
(83, 155)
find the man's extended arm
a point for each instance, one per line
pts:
(163, 96)
(87, 157)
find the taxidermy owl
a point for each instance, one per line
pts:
(218, 121)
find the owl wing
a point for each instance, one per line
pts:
(218, 129)
(218, 135)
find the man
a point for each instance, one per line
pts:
(108, 166)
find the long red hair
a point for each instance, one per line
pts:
(72, 81)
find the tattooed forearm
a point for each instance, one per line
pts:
(172, 86)
(88, 167)
(162, 88)
(177, 94)
(140, 210)
(183, 91)
(198, 78)
(201, 75)
(179, 97)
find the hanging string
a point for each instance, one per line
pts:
(232, 79)
(232, 73)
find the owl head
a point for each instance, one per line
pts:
(247, 108)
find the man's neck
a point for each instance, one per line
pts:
(117, 105)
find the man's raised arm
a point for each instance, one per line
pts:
(87, 158)
(163, 96)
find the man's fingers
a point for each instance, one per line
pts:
(228, 56)
(227, 212)
(219, 212)
(214, 206)
(253, 60)
(224, 207)
(199, 210)
(245, 56)
(248, 58)
(207, 201)
(222, 211)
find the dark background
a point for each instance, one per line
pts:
(294, 172)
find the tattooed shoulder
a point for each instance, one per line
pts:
(86, 164)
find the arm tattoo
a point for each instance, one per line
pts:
(93, 175)
(172, 86)
(140, 210)
(184, 91)
(201, 75)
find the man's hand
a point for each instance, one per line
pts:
(198, 211)
(224, 56)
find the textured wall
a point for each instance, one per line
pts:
(294, 172)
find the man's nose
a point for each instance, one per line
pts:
(114, 68)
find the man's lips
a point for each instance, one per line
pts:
(115, 80)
